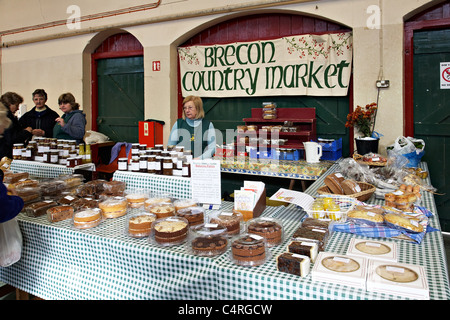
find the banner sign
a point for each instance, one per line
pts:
(316, 65)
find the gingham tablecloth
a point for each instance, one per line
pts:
(60, 262)
(45, 170)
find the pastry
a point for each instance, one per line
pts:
(72, 180)
(294, 263)
(365, 217)
(170, 230)
(113, 207)
(11, 177)
(318, 235)
(163, 210)
(194, 215)
(229, 220)
(59, 213)
(87, 218)
(249, 249)
(271, 230)
(350, 186)
(396, 273)
(340, 264)
(372, 247)
(29, 195)
(68, 200)
(139, 225)
(306, 248)
(84, 203)
(155, 201)
(184, 203)
(209, 245)
(38, 209)
(115, 188)
(401, 221)
(333, 182)
(136, 199)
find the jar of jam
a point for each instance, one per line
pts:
(72, 144)
(71, 162)
(151, 164)
(135, 164)
(170, 148)
(17, 151)
(46, 156)
(142, 147)
(54, 156)
(122, 164)
(26, 154)
(159, 147)
(63, 160)
(143, 163)
(186, 171)
(158, 165)
(167, 166)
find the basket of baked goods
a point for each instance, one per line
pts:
(337, 184)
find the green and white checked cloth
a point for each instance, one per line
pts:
(44, 170)
(60, 262)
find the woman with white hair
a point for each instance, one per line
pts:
(11, 205)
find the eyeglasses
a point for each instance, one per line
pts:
(188, 108)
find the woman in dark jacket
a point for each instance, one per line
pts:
(15, 133)
(41, 118)
(10, 205)
(72, 124)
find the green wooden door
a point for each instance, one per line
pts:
(331, 113)
(120, 97)
(432, 112)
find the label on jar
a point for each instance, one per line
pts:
(168, 165)
(135, 166)
(123, 166)
(54, 158)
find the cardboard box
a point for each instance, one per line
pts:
(150, 133)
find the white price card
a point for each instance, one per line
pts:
(206, 181)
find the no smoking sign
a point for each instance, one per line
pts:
(445, 75)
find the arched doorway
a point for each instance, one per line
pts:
(118, 87)
(227, 113)
(427, 111)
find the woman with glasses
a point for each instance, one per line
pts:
(72, 124)
(193, 131)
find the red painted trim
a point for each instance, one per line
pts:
(117, 54)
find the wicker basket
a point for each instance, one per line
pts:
(366, 191)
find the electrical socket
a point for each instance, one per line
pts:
(382, 83)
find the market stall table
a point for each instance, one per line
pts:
(60, 262)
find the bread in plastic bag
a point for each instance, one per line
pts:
(92, 137)
(10, 242)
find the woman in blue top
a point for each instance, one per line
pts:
(71, 125)
(193, 131)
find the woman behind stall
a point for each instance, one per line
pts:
(10, 205)
(15, 133)
(193, 131)
(72, 124)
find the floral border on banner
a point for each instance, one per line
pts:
(316, 65)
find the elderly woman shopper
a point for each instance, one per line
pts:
(72, 124)
(16, 133)
(193, 131)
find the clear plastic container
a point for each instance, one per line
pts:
(116, 188)
(157, 198)
(29, 195)
(169, 231)
(184, 203)
(114, 207)
(139, 224)
(249, 250)
(72, 180)
(269, 228)
(162, 210)
(194, 215)
(136, 198)
(232, 221)
(87, 218)
(207, 240)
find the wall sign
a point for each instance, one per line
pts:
(445, 75)
(318, 65)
